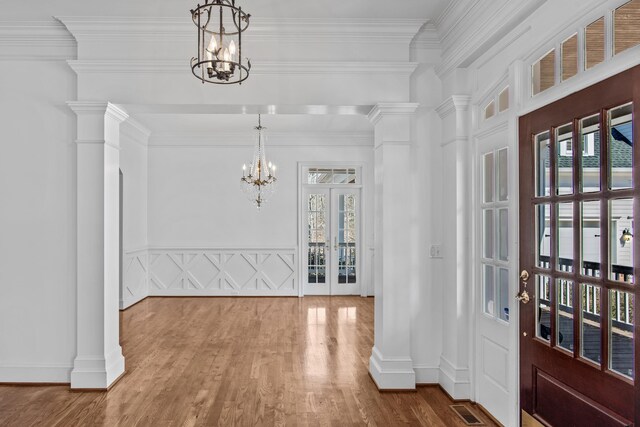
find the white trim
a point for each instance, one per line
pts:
(391, 109)
(454, 380)
(276, 139)
(278, 68)
(426, 374)
(35, 373)
(392, 373)
(150, 29)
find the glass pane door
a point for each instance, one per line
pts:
(345, 241)
(317, 240)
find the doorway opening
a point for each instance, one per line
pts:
(331, 229)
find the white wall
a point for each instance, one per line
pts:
(37, 221)
(196, 203)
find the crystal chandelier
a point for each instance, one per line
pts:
(220, 26)
(260, 183)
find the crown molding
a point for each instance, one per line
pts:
(452, 104)
(98, 108)
(427, 38)
(154, 28)
(35, 41)
(247, 138)
(468, 31)
(391, 109)
(260, 68)
(136, 131)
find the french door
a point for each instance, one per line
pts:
(579, 188)
(332, 241)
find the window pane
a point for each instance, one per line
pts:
(490, 110)
(564, 160)
(488, 174)
(503, 174)
(503, 291)
(488, 292)
(503, 234)
(594, 43)
(626, 31)
(621, 332)
(543, 235)
(543, 72)
(565, 236)
(543, 307)
(621, 147)
(570, 57)
(590, 221)
(590, 154)
(543, 168)
(488, 233)
(564, 314)
(503, 100)
(590, 325)
(621, 238)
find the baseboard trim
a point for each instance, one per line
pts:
(426, 374)
(454, 380)
(126, 307)
(391, 374)
(37, 374)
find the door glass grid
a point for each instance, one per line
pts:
(494, 217)
(347, 238)
(316, 217)
(590, 227)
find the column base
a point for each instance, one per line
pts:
(391, 374)
(455, 381)
(97, 373)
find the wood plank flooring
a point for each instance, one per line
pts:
(238, 361)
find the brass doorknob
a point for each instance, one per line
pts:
(523, 297)
(524, 275)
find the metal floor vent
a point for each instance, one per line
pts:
(466, 415)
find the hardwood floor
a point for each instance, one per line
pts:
(238, 361)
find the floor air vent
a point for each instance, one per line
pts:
(467, 416)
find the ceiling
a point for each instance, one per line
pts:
(326, 9)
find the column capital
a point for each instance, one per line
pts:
(383, 109)
(452, 104)
(98, 107)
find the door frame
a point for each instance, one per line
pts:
(366, 288)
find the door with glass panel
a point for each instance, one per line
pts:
(579, 258)
(495, 388)
(332, 241)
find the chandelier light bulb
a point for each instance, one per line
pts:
(232, 49)
(213, 45)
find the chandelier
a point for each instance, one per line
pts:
(260, 183)
(220, 26)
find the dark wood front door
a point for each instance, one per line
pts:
(579, 188)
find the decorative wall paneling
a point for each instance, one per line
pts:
(218, 272)
(135, 273)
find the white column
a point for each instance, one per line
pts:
(454, 362)
(390, 364)
(99, 361)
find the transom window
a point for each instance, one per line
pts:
(332, 176)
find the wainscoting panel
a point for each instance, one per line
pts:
(208, 271)
(135, 268)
